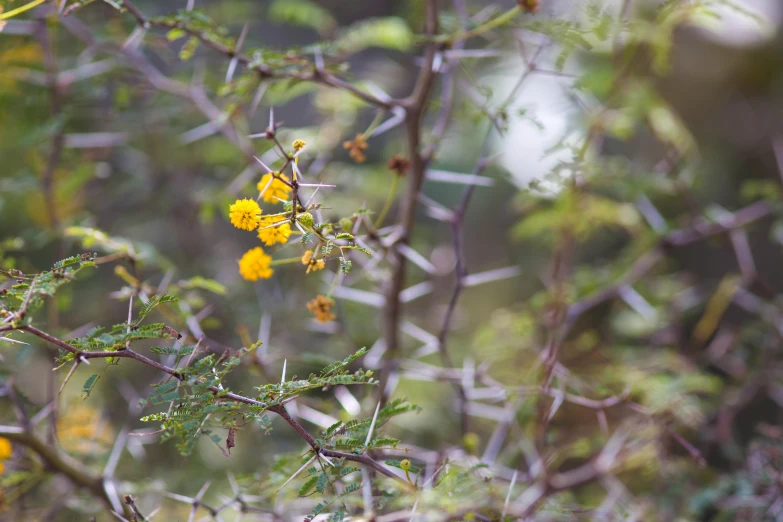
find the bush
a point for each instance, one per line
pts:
(448, 328)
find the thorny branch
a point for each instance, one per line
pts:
(279, 409)
(421, 155)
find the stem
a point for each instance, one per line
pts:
(388, 204)
(82, 479)
(486, 26)
(335, 280)
(286, 261)
(61, 463)
(375, 122)
(21, 9)
(414, 111)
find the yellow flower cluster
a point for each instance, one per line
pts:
(245, 214)
(81, 431)
(273, 187)
(321, 307)
(255, 265)
(273, 230)
(312, 264)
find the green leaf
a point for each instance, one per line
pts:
(309, 485)
(204, 283)
(89, 384)
(187, 51)
(154, 301)
(302, 13)
(389, 32)
(322, 482)
(360, 249)
(175, 34)
(171, 350)
(338, 366)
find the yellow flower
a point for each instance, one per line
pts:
(5, 448)
(321, 307)
(273, 190)
(299, 145)
(254, 265)
(5, 452)
(312, 263)
(270, 232)
(245, 214)
(81, 430)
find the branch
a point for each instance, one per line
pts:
(414, 106)
(76, 473)
(264, 71)
(278, 409)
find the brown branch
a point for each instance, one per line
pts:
(364, 459)
(60, 463)
(264, 71)
(58, 139)
(461, 271)
(136, 514)
(698, 231)
(414, 111)
(278, 409)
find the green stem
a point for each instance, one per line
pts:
(388, 204)
(486, 26)
(335, 280)
(21, 9)
(375, 122)
(286, 261)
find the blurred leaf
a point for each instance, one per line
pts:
(304, 13)
(390, 33)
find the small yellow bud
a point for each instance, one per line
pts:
(405, 464)
(471, 443)
(299, 145)
(346, 224)
(306, 219)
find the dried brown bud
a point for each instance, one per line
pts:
(398, 164)
(356, 148)
(529, 6)
(230, 439)
(168, 330)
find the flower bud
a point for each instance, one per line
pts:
(306, 219)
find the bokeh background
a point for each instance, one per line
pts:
(136, 164)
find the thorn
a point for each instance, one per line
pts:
(372, 424)
(263, 164)
(271, 127)
(319, 60)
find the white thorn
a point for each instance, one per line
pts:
(372, 424)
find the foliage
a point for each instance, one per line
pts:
(629, 370)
